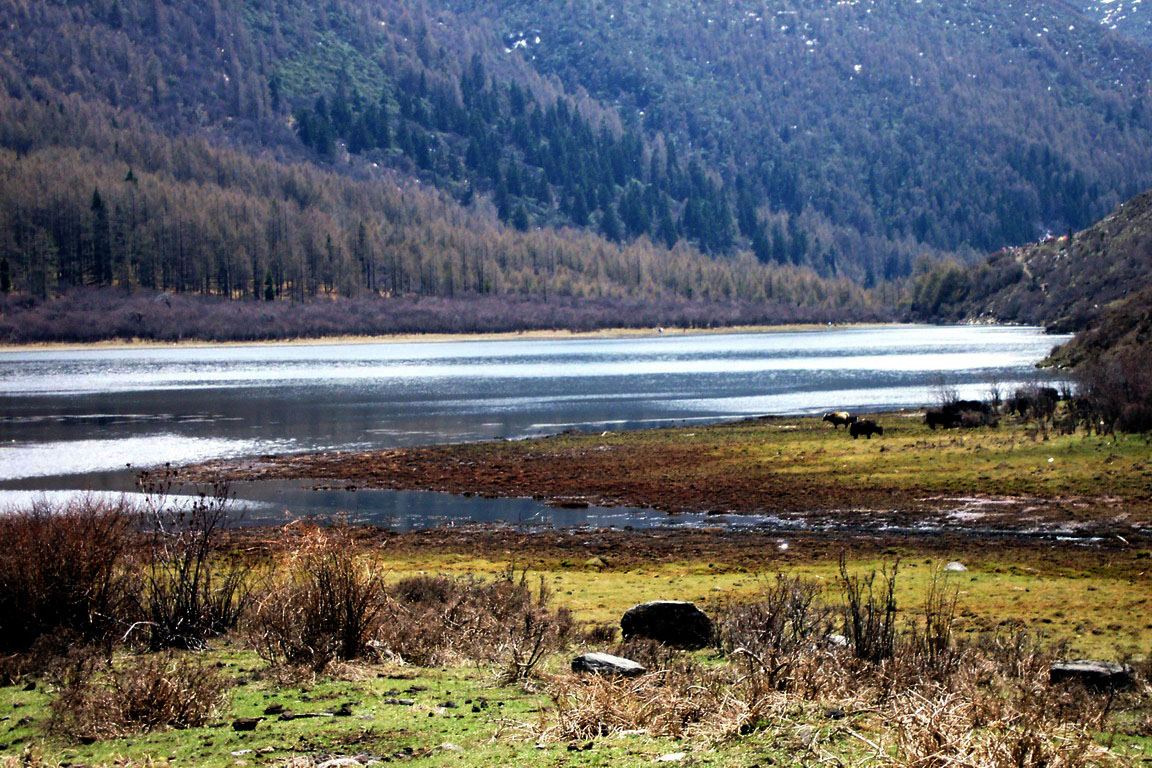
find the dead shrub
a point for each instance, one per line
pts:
(193, 592)
(326, 607)
(65, 572)
(150, 693)
(438, 619)
(870, 611)
(930, 638)
(786, 619)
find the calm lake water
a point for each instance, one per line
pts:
(90, 419)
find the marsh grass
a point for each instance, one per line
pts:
(327, 603)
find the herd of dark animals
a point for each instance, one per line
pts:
(856, 426)
(1039, 402)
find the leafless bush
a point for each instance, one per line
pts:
(150, 693)
(65, 574)
(434, 619)
(326, 607)
(193, 592)
(786, 618)
(870, 611)
(1118, 392)
(931, 638)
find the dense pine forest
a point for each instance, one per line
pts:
(794, 154)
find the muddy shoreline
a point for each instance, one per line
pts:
(708, 470)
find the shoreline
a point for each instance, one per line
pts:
(436, 338)
(796, 469)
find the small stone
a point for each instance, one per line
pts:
(955, 567)
(672, 757)
(1095, 675)
(273, 709)
(451, 747)
(241, 752)
(341, 762)
(836, 641)
(606, 664)
(246, 723)
(400, 702)
(805, 734)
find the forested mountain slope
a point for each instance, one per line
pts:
(1064, 282)
(699, 149)
(283, 150)
(953, 124)
(1128, 17)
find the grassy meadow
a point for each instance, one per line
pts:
(453, 647)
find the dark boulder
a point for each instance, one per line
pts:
(1097, 675)
(606, 664)
(246, 723)
(675, 623)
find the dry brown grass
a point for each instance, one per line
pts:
(934, 702)
(149, 693)
(329, 605)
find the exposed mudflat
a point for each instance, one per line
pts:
(798, 476)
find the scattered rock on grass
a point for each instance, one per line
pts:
(246, 723)
(606, 664)
(1097, 675)
(672, 622)
(955, 567)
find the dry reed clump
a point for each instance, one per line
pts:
(150, 693)
(325, 607)
(437, 619)
(329, 605)
(66, 575)
(934, 701)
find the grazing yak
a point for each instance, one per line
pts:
(961, 413)
(1038, 401)
(865, 427)
(839, 417)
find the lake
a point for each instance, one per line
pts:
(90, 419)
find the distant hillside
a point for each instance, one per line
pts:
(287, 151)
(1128, 17)
(803, 153)
(1064, 283)
(960, 126)
(1122, 330)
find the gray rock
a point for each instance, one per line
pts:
(836, 641)
(1096, 675)
(955, 567)
(606, 664)
(672, 622)
(341, 762)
